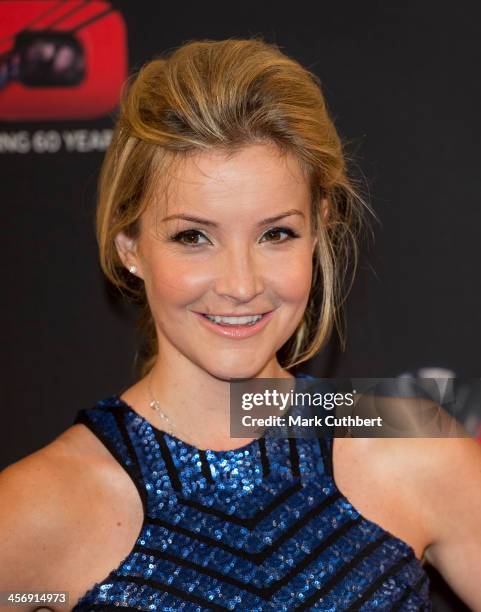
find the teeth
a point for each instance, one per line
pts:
(235, 320)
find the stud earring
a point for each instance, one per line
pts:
(133, 269)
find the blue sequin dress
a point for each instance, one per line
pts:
(263, 527)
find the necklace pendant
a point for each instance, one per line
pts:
(154, 404)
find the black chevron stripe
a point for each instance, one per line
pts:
(182, 561)
(257, 557)
(416, 588)
(379, 581)
(205, 466)
(333, 537)
(169, 462)
(128, 442)
(294, 458)
(251, 522)
(265, 592)
(207, 605)
(264, 458)
(345, 569)
(135, 470)
(326, 455)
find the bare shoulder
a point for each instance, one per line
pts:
(415, 488)
(67, 503)
(380, 477)
(428, 467)
(446, 483)
(421, 462)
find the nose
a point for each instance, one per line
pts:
(240, 278)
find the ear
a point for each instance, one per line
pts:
(127, 250)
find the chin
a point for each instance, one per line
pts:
(235, 371)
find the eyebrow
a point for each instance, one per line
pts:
(287, 213)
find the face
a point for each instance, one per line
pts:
(247, 250)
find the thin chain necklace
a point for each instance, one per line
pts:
(155, 405)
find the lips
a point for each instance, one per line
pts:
(235, 331)
(234, 314)
(230, 320)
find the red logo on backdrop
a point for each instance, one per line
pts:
(60, 59)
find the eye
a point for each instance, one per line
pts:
(190, 236)
(275, 231)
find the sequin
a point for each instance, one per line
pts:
(239, 530)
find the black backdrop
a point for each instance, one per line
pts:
(402, 82)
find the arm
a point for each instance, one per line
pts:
(70, 515)
(450, 489)
(59, 520)
(33, 526)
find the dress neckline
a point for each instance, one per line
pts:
(174, 439)
(244, 449)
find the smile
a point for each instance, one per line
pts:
(235, 327)
(247, 320)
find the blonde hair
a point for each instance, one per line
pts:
(226, 94)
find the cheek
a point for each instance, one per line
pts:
(294, 279)
(171, 281)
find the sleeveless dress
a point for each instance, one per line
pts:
(262, 527)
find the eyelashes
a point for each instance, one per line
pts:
(192, 233)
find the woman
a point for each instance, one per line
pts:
(224, 194)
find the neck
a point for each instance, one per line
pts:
(199, 412)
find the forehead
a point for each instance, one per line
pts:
(256, 176)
